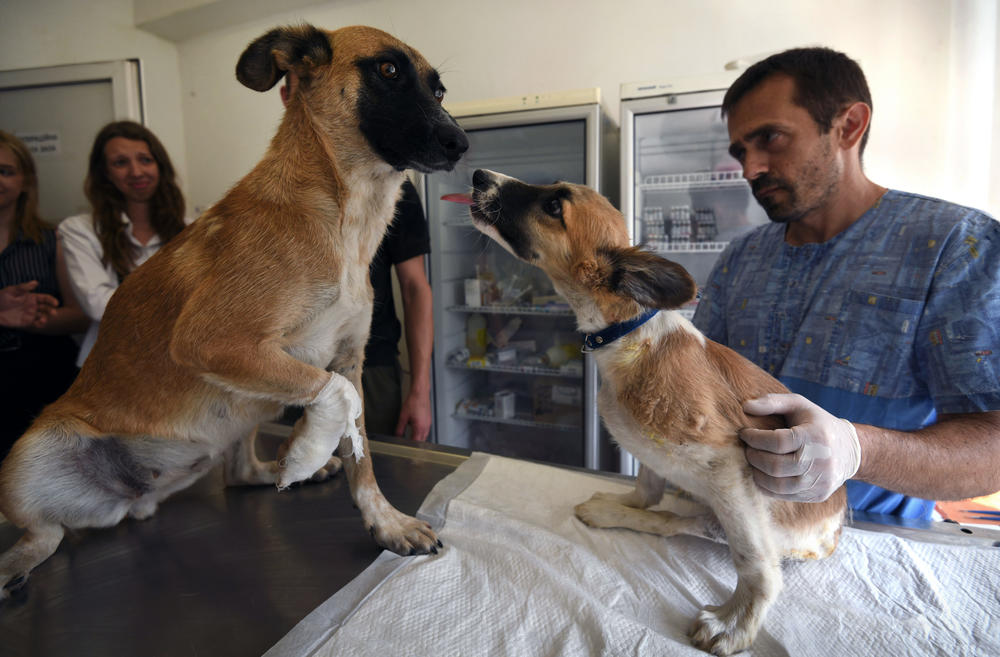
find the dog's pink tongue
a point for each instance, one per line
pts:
(465, 199)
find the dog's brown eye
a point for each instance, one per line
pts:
(439, 94)
(388, 70)
(553, 207)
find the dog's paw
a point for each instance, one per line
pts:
(292, 470)
(142, 510)
(599, 511)
(720, 632)
(404, 535)
(328, 471)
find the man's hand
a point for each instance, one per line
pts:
(806, 462)
(416, 412)
(21, 308)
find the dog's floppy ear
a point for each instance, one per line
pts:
(298, 49)
(648, 279)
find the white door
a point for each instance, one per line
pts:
(57, 111)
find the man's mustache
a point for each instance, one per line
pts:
(765, 182)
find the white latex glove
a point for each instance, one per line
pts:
(806, 462)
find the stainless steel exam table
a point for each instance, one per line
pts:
(229, 571)
(217, 571)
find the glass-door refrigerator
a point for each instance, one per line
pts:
(683, 195)
(509, 376)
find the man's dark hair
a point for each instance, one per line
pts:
(826, 82)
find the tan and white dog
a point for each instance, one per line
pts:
(668, 395)
(262, 303)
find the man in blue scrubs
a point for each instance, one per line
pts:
(880, 308)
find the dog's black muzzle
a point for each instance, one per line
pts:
(452, 140)
(502, 202)
(444, 145)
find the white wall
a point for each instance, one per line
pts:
(929, 63)
(994, 201)
(913, 51)
(37, 33)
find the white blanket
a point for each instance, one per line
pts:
(521, 576)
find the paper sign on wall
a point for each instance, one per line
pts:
(45, 142)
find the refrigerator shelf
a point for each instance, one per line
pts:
(536, 146)
(696, 180)
(513, 310)
(521, 420)
(662, 246)
(683, 194)
(532, 370)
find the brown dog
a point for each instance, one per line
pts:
(668, 395)
(262, 303)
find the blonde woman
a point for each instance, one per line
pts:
(136, 207)
(37, 308)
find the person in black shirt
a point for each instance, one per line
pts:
(403, 247)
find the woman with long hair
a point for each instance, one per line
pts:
(136, 207)
(37, 308)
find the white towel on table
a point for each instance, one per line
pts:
(521, 576)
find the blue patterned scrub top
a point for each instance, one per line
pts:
(889, 323)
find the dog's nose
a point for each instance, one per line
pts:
(453, 140)
(480, 179)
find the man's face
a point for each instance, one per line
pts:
(793, 170)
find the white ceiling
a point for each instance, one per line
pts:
(177, 20)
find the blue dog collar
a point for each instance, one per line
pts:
(593, 341)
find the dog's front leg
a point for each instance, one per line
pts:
(732, 627)
(390, 528)
(330, 419)
(251, 366)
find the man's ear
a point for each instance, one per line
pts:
(646, 278)
(297, 49)
(855, 119)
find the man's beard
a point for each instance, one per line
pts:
(816, 186)
(786, 211)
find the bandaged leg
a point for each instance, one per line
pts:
(332, 415)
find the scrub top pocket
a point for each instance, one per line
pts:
(872, 344)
